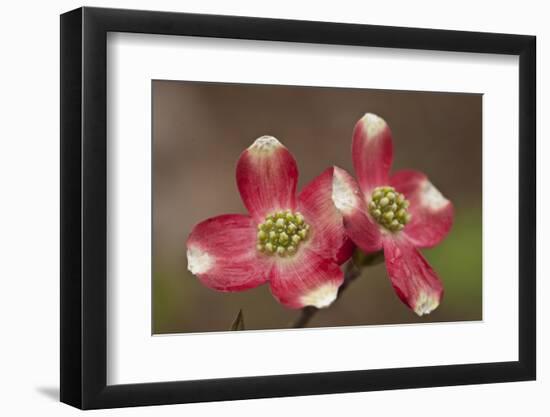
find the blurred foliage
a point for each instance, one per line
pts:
(458, 261)
(238, 323)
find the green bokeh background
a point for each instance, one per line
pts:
(199, 131)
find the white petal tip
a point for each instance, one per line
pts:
(322, 296)
(426, 303)
(373, 124)
(431, 197)
(198, 261)
(265, 144)
(343, 194)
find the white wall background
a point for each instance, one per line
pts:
(29, 226)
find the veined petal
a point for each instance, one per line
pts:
(372, 152)
(349, 200)
(306, 280)
(432, 214)
(266, 176)
(221, 252)
(327, 235)
(413, 279)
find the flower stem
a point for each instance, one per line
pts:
(305, 316)
(350, 274)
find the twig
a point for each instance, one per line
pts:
(305, 316)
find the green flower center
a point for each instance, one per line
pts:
(282, 233)
(389, 208)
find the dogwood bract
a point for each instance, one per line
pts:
(296, 243)
(397, 214)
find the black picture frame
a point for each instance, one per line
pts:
(84, 207)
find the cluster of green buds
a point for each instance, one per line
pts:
(281, 233)
(389, 208)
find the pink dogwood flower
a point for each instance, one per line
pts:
(397, 214)
(296, 243)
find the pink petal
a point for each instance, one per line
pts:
(372, 152)
(414, 281)
(267, 177)
(432, 214)
(327, 234)
(221, 252)
(306, 280)
(349, 200)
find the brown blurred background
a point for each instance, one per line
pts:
(199, 131)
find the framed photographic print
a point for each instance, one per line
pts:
(257, 208)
